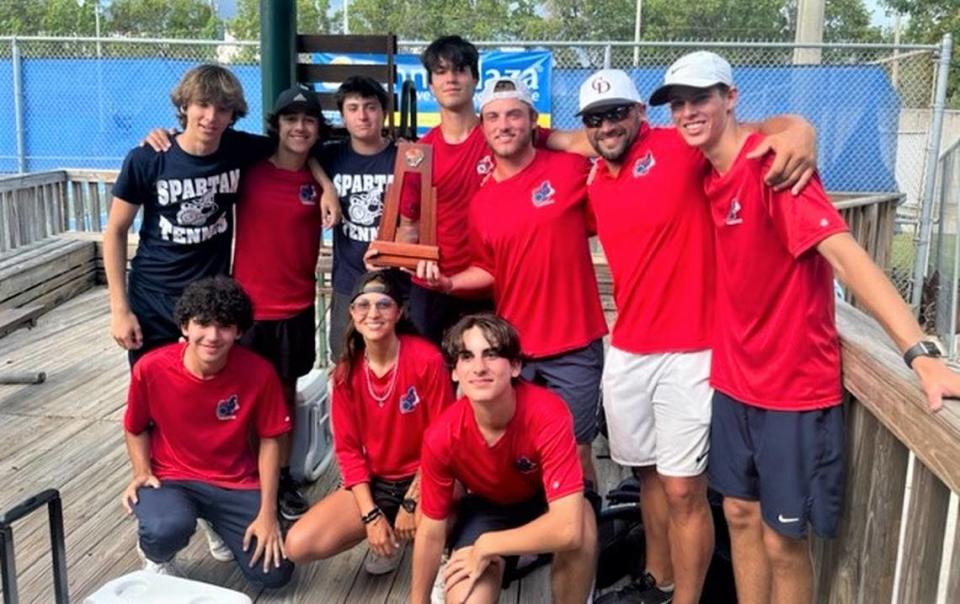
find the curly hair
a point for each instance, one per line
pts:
(218, 300)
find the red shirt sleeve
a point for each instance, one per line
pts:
(347, 440)
(540, 136)
(436, 478)
(137, 418)
(804, 220)
(410, 196)
(562, 474)
(479, 246)
(272, 417)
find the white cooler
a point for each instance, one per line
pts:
(312, 448)
(141, 587)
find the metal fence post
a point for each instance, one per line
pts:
(930, 176)
(18, 106)
(607, 51)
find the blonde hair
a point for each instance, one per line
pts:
(209, 84)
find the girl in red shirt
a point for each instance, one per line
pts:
(388, 386)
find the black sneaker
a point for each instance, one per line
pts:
(641, 591)
(291, 501)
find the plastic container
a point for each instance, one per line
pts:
(312, 449)
(142, 587)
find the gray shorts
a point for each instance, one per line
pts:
(575, 376)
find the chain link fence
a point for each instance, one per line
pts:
(84, 102)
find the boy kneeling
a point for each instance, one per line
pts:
(511, 445)
(192, 409)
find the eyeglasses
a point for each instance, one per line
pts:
(363, 306)
(615, 114)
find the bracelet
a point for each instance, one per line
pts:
(372, 515)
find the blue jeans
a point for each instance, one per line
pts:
(168, 517)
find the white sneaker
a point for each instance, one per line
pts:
(381, 565)
(438, 595)
(170, 568)
(218, 549)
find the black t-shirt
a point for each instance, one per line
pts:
(187, 200)
(360, 181)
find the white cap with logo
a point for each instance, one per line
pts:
(700, 69)
(505, 88)
(607, 88)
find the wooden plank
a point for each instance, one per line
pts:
(953, 581)
(93, 191)
(923, 541)
(311, 72)
(15, 318)
(378, 44)
(858, 566)
(92, 175)
(52, 288)
(78, 213)
(26, 253)
(878, 378)
(33, 272)
(21, 181)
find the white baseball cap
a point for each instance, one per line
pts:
(700, 69)
(509, 88)
(607, 88)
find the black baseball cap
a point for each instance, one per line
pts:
(385, 282)
(297, 98)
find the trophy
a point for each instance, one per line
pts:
(412, 158)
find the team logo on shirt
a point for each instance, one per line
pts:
(409, 400)
(485, 165)
(543, 195)
(643, 165)
(525, 465)
(227, 409)
(733, 214)
(195, 212)
(308, 194)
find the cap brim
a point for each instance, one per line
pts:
(605, 104)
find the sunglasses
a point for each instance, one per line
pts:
(363, 306)
(614, 114)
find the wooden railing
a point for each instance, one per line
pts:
(35, 206)
(898, 539)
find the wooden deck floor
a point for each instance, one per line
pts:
(66, 434)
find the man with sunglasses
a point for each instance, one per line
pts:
(654, 224)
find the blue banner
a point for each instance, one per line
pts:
(534, 68)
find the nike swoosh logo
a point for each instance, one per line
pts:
(699, 457)
(784, 520)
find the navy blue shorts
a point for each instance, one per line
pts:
(790, 461)
(574, 376)
(476, 516)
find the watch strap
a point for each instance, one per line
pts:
(923, 348)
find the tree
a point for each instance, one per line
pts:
(312, 18)
(928, 21)
(415, 20)
(165, 18)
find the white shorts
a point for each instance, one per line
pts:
(658, 410)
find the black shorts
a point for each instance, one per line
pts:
(389, 495)
(433, 312)
(290, 344)
(154, 312)
(789, 461)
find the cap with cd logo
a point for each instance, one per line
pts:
(701, 69)
(607, 88)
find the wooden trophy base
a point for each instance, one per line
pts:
(404, 255)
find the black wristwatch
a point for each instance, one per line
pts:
(410, 505)
(923, 348)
